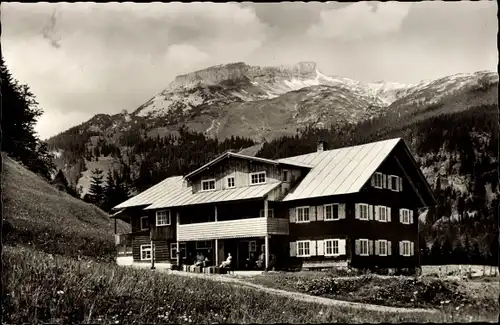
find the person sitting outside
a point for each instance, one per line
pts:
(260, 262)
(199, 260)
(227, 262)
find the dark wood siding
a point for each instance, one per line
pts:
(352, 229)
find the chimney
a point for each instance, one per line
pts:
(321, 145)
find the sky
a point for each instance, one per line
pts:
(80, 59)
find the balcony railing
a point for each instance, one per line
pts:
(251, 227)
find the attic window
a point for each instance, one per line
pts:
(230, 182)
(394, 183)
(257, 178)
(208, 185)
(378, 180)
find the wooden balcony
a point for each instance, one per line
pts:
(252, 227)
(163, 233)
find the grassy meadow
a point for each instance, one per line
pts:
(39, 287)
(37, 214)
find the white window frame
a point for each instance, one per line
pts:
(252, 246)
(380, 209)
(361, 205)
(258, 178)
(147, 218)
(390, 177)
(145, 249)
(407, 214)
(306, 208)
(270, 213)
(381, 180)
(386, 247)
(406, 244)
(207, 181)
(361, 241)
(173, 248)
(167, 216)
(325, 218)
(301, 251)
(228, 181)
(333, 242)
(205, 246)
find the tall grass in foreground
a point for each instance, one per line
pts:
(41, 288)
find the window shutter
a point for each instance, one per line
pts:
(320, 212)
(321, 247)
(356, 247)
(293, 248)
(370, 212)
(377, 212)
(370, 247)
(312, 247)
(356, 207)
(384, 181)
(412, 246)
(342, 246)
(400, 248)
(388, 214)
(292, 216)
(373, 180)
(411, 216)
(312, 213)
(389, 247)
(341, 210)
(401, 184)
(377, 247)
(400, 215)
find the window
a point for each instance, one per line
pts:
(204, 244)
(303, 214)
(331, 212)
(331, 247)
(363, 211)
(394, 183)
(257, 178)
(285, 176)
(382, 250)
(163, 218)
(145, 223)
(270, 213)
(405, 216)
(182, 249)
(208, 185)
(363, 247)
(378, 180)
(405, 248)
(230, 182)
(383, 213)
(145, 252)
(252, 246)
(303, 248)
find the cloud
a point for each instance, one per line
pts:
(48, 31)
(185, 55)
(360, 20)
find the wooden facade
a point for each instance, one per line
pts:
(335, 232)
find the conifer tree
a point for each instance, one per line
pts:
(96, 190)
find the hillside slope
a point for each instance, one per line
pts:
(36, 213)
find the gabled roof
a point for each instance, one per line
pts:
(339, 171)
(185, 197)
(150, 195)
(229, 154)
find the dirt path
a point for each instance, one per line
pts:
(302, 296)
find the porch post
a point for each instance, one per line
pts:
(216, 240)
(266, 242)
(152, 255)
(267, 251)
(115, 226)
(177, 222)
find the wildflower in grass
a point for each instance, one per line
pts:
(60, 292)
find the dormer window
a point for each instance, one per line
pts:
(230, 182)
(257, 178)
(208, 185)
